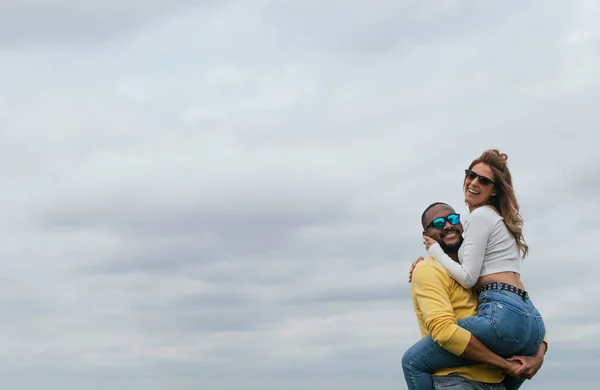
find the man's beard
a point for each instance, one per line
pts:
(451, 247)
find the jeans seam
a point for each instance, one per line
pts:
(420, 355)
(411, 364)
(529, 326)
(541, 334)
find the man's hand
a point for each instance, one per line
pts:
(428, 241)
(512, 367)
(412, 267)
(530, 365)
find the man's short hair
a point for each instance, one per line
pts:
(423, 220)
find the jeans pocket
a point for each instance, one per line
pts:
(509, 323)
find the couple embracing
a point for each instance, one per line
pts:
(479, 327)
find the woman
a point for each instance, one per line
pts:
(493, 246)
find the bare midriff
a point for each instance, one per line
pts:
(511, 278)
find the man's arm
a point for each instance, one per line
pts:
(431, 288)
(478, 352)
(530, 365)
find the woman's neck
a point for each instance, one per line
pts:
(472, 208)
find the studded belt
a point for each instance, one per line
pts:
(503, 286)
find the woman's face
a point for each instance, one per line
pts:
(479, 186)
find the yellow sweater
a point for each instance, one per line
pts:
(439, 301)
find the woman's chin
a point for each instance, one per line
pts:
(472, 203)
(468, 200)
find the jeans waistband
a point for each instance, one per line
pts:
(505, 287)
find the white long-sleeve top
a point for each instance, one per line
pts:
(488, 247)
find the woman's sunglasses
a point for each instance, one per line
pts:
(482, 179)
(439, 223)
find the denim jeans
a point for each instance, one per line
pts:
(505, 323)
(457, 382)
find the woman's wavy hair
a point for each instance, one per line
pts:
(505, 200)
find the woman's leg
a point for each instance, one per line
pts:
(504, 324)
(507, 323)
(536, 337)
(425, 357)
(538, 331)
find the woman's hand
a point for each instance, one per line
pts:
(412, 267)
(428, 241)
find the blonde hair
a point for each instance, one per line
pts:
(505, 200)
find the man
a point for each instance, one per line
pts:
(439, 302)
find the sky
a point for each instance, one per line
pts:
(227, 194)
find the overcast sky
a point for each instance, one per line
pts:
(226, 195)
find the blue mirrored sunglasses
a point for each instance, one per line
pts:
(439, 223)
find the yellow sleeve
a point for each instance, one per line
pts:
(430, 286)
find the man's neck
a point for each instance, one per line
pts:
(453, 255)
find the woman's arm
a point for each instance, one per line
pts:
(476, 235)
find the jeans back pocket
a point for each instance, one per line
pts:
(509, 323)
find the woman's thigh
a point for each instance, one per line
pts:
(537, 333)
(499, 327)
(428, 356)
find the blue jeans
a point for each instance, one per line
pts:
(456, 382)
(505, 323)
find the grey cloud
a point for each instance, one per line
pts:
(206, 322)
(203, 238)
(153, 376)
(75, 22)
(166, 260)
(211, 301)
(205, 313)
(215, 207)
(358, 294)
(177, 236)
(262, 272)
(354, 29)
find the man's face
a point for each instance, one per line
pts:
(450, 236)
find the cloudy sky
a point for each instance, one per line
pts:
(226, 194)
